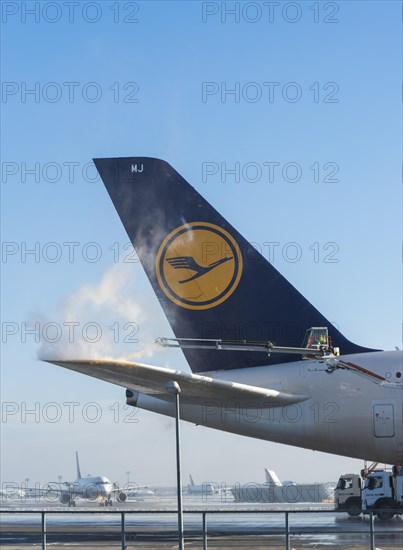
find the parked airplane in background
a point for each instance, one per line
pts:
(271, 478)
(240, 324)
(140, 493)
(97, 488)
(11, 491)
(202, 489)
(272, 490)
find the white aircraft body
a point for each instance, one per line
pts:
(271, 478)
(273, 490)
(226, 304)
(201, 489)
(11, 491)
(95, 488)
(141, 493)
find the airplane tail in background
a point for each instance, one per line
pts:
(210, 281)
(271, 478)
(192, 483)
(78, 466)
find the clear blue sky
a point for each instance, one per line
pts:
(335, 106)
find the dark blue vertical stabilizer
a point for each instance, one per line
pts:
(210, 281)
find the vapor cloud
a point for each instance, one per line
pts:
(115, 318)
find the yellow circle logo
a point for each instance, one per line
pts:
(198, 265)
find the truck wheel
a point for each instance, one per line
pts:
(383, 511)
(354, 508)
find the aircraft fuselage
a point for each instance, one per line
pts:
(91, 487)
(344, 413)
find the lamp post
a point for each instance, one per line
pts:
(174, 388)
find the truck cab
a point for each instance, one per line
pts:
(383, 492)
(348, 494)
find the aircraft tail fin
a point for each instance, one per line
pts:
(78, 466)
(192, 483)
(210, 281)
(271, 478)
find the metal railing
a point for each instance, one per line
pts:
(288, 532)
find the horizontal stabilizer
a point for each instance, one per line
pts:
(195, 388)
